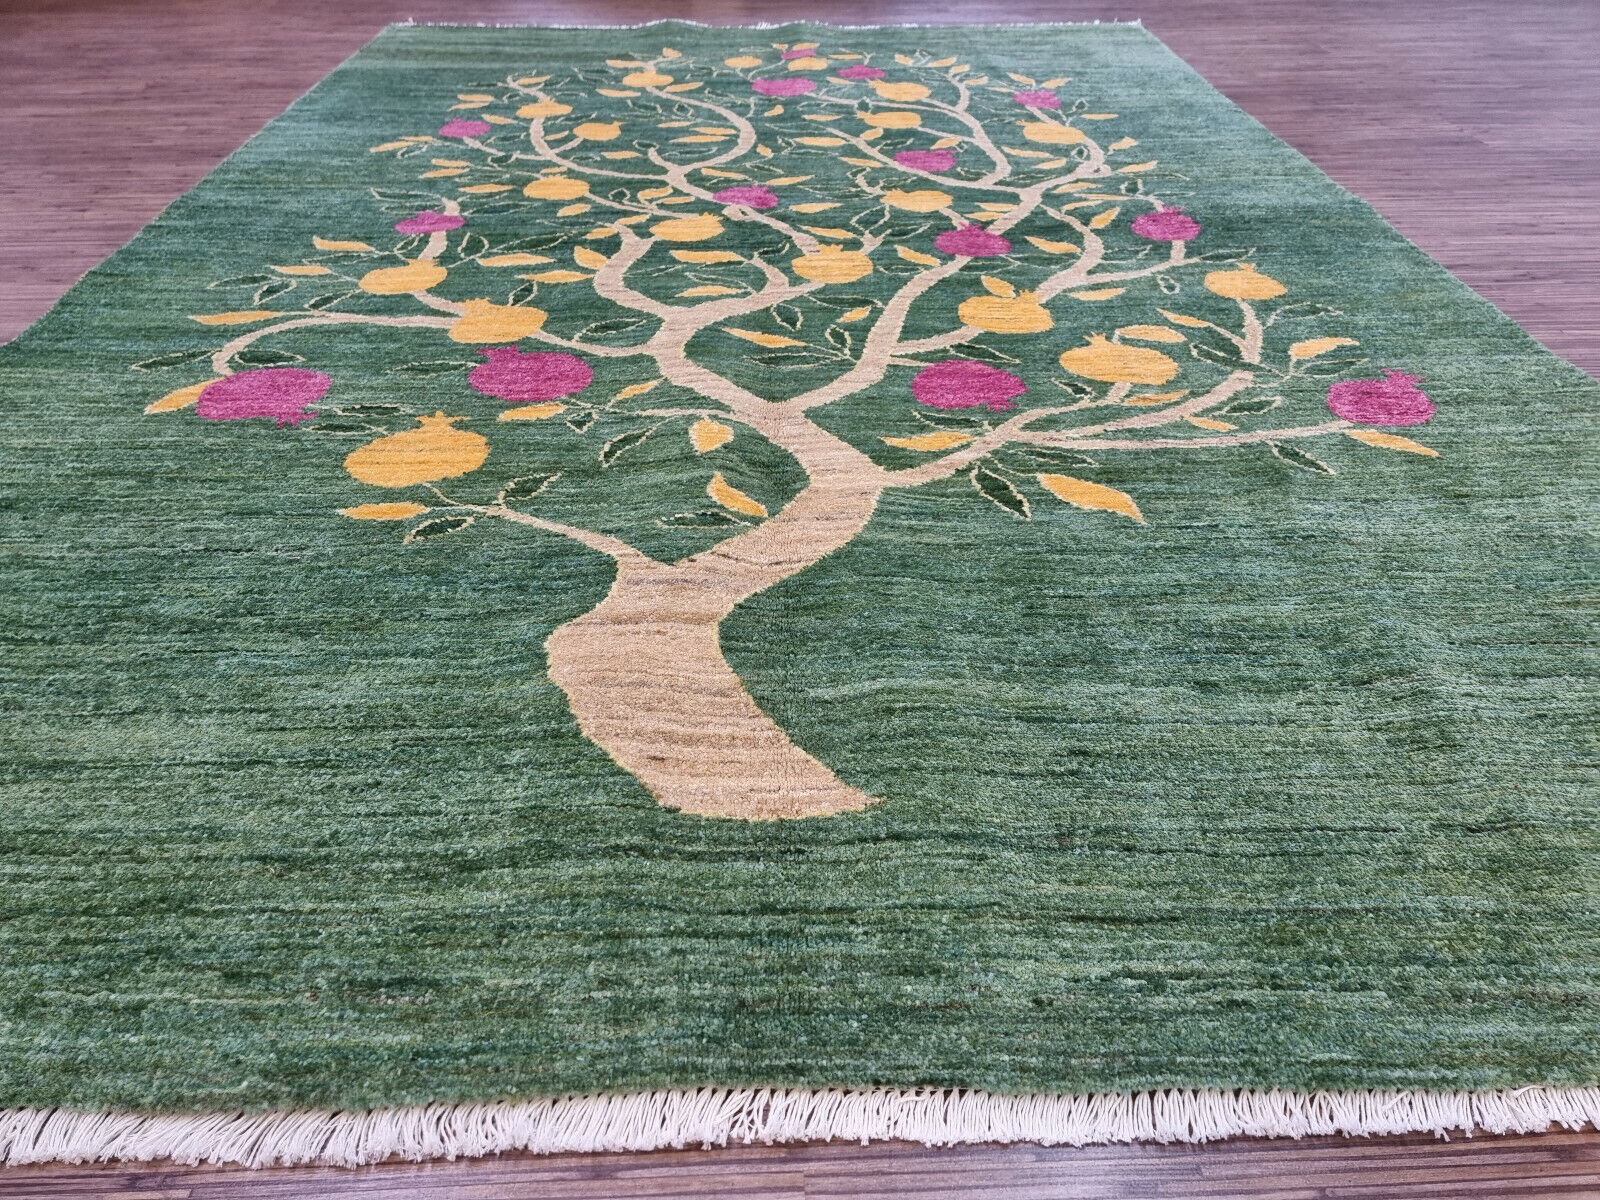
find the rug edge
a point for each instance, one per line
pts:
(706, 1117)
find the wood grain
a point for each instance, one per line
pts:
(1469, 125)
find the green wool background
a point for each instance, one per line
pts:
(1290, 787)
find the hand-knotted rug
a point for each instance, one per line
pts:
(617, 588)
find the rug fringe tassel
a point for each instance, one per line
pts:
(718, 1116)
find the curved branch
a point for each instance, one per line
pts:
(219, 360)
(618, 549)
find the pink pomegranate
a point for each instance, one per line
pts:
(429, 221)
(1392, 400)
(957, 383)
(522, 378)
(463, 129)
(862, 72)
(750, 197)
(283, 393)
(1040, 99)
(795, 85)
(926, 160)
(973, 241)
(1166, 225)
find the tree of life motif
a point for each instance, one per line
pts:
(816, 225)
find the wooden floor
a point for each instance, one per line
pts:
(1471, 125)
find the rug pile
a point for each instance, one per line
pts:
(597, 589)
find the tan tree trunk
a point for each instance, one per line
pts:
(644, 673)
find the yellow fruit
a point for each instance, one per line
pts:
(904, 92)
(1244, 282)
(706, 435)
(925, 201)
(430, 452)
(556, 187)
(397, 511)
(1021, 313)
(741, 61)
(487, 322)
(1112, 363)
(1051, 133)
(687, 229)
(416, 276)
(809, 63)
(599, 131)
(893, 119)
(544, 108)
(832, 265)
(647, 79)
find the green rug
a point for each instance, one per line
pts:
(615, 588)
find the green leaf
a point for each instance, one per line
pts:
(940, 416)
(243, 281)
(1132, 187)
(787, 315)
(788, 359)
(391, 196)
(327, 300)
(1252, 404)
(986, 354)
(1226, 355)
(372, 408)
(999, 489)
(1323, 367)
(623, 441)
(438, 366)
(260, 356)
(525, 292)
(529, 486)
(1073, 387)
(438, 527)
(704, 519)
(1297, 456)
(609, 328)
(1225, 255)
(1169, 285)
(177, 358)
(473, 245)
(1050, 456)
(276, 288)
(340, 427)
(580, 420)
(498, 206)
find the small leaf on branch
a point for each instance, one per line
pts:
(1251, 405)
(1094, 496)
(327, 300)
(1235, 255)
(998, 488)
(1180, 319)
(709, 518)
(438, 528)
(581, 420)
(177, 358)
(916, 256)
(484, 189)
(1052, 456)
(1150, 333)
(533, 412)
(1226, 355)
(243, 317)
(592, 259)
(1299, 458)
(946, 440)
(260, 356)
(763, 339)
(529, 486)
(1315, 346)
(1210, 423)
(304, 269)
(1136, 168)
(706, 256)
(182, 398)
(439, 366)
(1050, 247)
(637, 389)
(1098, 293)
(998, 287)
(1330, 366)
(1146, 399)
(1373, 437)
(276, 288)
(1303, 311)
(1102, 219)
(626, 441)
(815, 207)
(725, 494)
(557, 276)
(855, 314)
(514, 260)
(705, 435)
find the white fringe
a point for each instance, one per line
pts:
(718, 1116)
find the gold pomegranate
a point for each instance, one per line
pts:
(432, 451)
(893, 119)
(924, 201)
(544, 108)
(1244, 282)
(556, 187)
(1052, 134)
(1021, 313)
(831, 264)
(415, 276)
(484, 321)
(687, 229)
(1112, 362)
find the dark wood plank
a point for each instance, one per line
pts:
(1470, 125)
